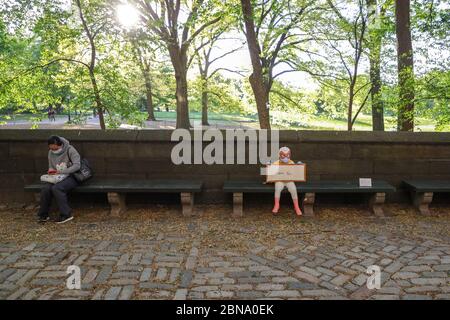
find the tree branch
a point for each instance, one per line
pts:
(360, 108)
(225, 54)
(199, 30)
(225, 69)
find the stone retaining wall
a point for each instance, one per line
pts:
(392, 156)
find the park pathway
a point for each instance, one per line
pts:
(202, 262)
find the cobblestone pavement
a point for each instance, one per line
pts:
(160, 255)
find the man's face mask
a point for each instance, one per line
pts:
(58, 151)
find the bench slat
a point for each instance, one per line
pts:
(428, 185)
(131, 186)
(313, 186)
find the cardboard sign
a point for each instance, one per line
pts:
(286, 172)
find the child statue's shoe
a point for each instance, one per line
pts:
(298, 211)
(276, 206)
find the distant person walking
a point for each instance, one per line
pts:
(51, 114)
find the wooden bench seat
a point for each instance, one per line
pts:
(117, 190)
(422, 192)
(309, 189)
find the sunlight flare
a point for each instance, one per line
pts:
(127, 15)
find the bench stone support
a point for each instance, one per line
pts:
(422, 201)
(308, 204)
(376, 203)
(117, 202)
(238, 204)
(187, 203)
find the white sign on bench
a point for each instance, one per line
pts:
(365, 182)
(286, 172)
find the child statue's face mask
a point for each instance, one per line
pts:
(285, 157)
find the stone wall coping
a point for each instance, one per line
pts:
(31, 135)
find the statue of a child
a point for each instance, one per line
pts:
(285, 158)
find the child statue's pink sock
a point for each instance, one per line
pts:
(276, 206)
(298, 211)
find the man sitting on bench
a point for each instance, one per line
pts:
(285, 158)
(63, 159)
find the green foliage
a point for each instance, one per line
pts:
(223, 95)
(40, 38)
(434, 98)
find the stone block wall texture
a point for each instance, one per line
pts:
(329, 155)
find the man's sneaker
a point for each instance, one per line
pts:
(43, 219)
(62, 220)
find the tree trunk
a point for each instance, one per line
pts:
(260, 88)
(204, 103)
(68, 111)
(350, 107)
(375, 93)
(405, 66)
(262, 100)
(182, 101)
(91, 67)
(375, 39)
(179, 61)
(149, 96)
(98, 100)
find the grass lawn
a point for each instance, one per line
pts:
(280, 120)
(286, 120)
(231, 117)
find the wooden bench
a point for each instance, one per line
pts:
(377, 192)
(117, 190)
(422, 192)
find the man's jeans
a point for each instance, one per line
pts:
(59, 191)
